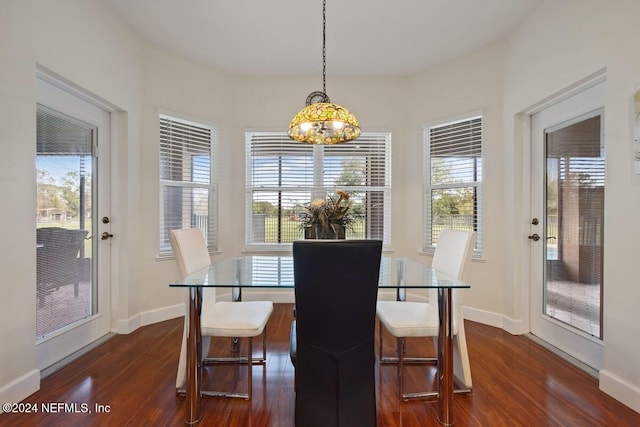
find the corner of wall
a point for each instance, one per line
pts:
(126, 326)
(497, 320)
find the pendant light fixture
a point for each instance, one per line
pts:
(322, 122)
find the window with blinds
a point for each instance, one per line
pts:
(188, 185)
(284, 175)
(453, 176)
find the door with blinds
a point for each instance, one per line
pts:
(567, 225)
(72, 223)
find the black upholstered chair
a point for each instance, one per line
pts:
(336, 288)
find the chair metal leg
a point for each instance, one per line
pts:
(381, 356)
(241, 359)
(250, 369)
(399, 346)
(394, 359)
(264, 344)
(400, 360)
(380, 335)
(249, 360)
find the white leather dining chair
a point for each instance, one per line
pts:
(405, 319)
(237, 319)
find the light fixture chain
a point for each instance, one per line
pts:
(320, 121)
(324, 46)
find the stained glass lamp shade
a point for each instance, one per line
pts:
(324, 123)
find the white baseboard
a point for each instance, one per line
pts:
(126, 326)
(513, 326)
(620, 389)
(20, 388)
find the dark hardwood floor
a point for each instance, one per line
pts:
(516, 383)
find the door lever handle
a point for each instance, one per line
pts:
(535, 237)
(106, 236)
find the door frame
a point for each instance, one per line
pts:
(54, 348)
(527, 132)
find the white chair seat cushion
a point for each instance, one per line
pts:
(236, 319)
(410, 319)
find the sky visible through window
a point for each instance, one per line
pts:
(57, 167)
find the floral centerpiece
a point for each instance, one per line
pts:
(328, 218)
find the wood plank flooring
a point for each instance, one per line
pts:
(516, 383)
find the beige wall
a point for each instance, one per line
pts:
(91, 48)
(174, 85)
(473, 83)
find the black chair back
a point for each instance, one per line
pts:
(336, 289)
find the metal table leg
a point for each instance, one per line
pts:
(236, 295)
(445, 358)
(194, 358)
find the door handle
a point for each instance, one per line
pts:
(106, 236)
(535, 237)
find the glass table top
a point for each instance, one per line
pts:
(275, 271)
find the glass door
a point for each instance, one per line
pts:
(65, 168)
(575, 224)
(72, 282)
(567, 225)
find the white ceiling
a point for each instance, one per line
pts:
(284, 37)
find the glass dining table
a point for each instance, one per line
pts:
(273, 271)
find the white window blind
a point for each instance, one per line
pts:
(284, 175)
(188, 187)
(453, 177)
